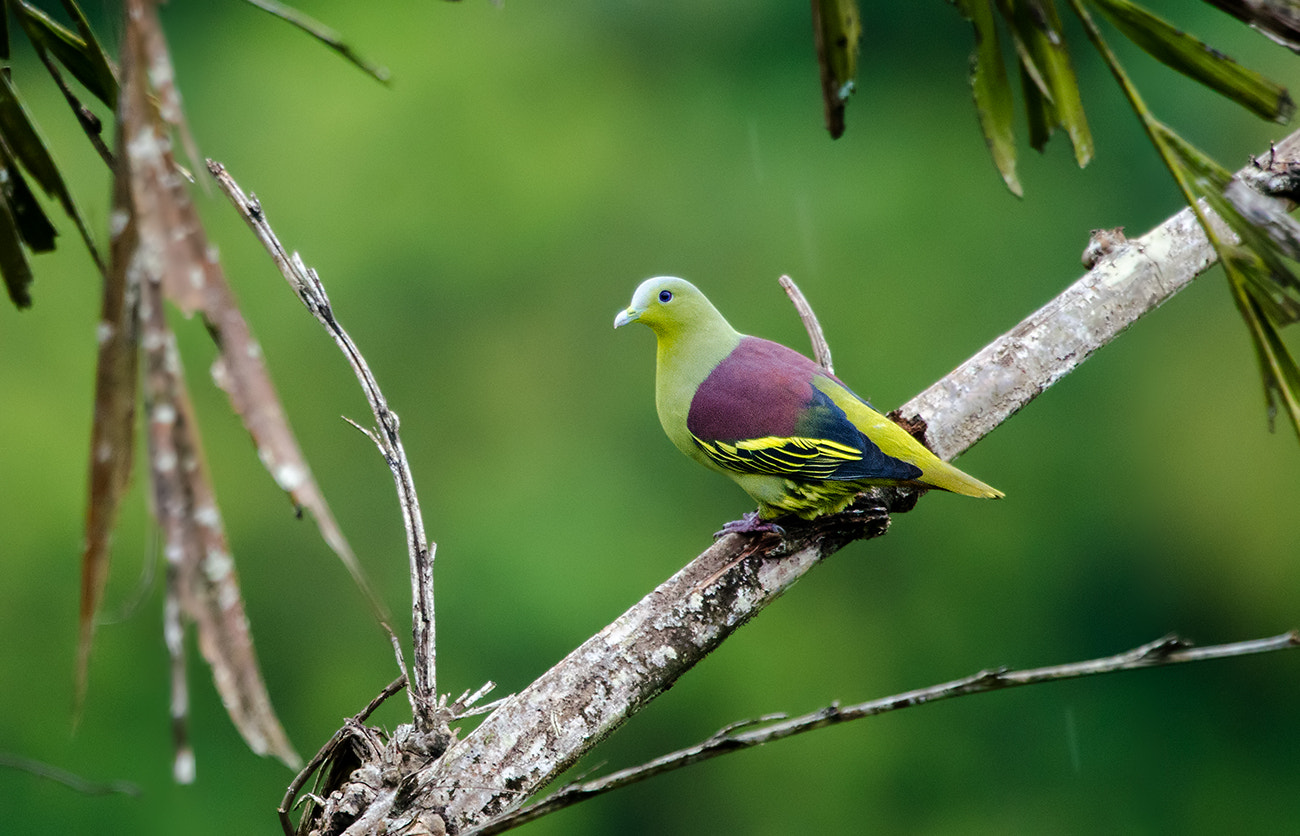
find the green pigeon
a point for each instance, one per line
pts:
(784, 429)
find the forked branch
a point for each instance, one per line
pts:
(311, 291)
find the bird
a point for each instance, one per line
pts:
(791, 434)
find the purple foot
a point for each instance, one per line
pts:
(751, 523)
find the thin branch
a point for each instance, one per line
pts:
(311, 291)
(821, 350)
(1169, 650)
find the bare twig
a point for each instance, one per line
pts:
(1169, 650)
(821, 350)
(311, 291)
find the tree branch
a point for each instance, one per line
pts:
(821, 351)
(1133, 280)
(305, 282)
(538, 733)
(544, 729)
(1169, 650)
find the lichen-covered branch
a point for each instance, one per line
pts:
(1169, 650)
(544, 729)
(538, 733)
(1133, 280)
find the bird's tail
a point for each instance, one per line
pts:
(940, 474)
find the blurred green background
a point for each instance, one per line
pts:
(478, 225)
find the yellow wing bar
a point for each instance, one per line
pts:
(802, 458)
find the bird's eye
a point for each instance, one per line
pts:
(665, 296)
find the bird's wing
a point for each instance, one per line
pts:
(764, 410)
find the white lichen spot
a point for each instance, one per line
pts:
(208, 515)
(221, 374)
(180, 701)
(173, 553)
(104, 331)
(144, 145)
(217, 565)
(227, 596)
(163, 414)
(117, 221)
(212, 253)
(103, 451)
(662, 655)
(165, 462)
(183, 768)
(196, 276)
(254, 349)
(618, 632)
(290, 476)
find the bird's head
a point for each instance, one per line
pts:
(670, 307)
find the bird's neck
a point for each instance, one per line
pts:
(683, 360)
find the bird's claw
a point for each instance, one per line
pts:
(751, 523)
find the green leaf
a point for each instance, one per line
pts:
(324, 34)
(24, 143)
(837, 28)
(4, 34)
(992, 91)
(1195, 59)
(1039, 112)
(85, 59)
(99, 60)
(34, 225)
(1257, 260)
(1277, 365)
(1039, 26)
(14, 269)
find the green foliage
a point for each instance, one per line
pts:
(1052, 98)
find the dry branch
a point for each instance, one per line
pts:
(545, 728)
(307, 285)
(1169, 650)
(537, 734)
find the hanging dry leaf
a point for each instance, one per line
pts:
(159, 247)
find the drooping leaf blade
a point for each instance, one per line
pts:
(24, 143)
(14, 269)
(992, 90)
(34, 225)
(1038, 25)
(837, 30)
(100, 63)
(1256, 260)
(1278, 367)
(112, 439)
(1195, 59)
(325, 35)
(83, 57)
